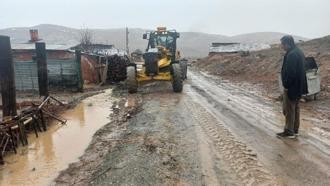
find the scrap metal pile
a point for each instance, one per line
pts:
(117, 68)
(13, 130)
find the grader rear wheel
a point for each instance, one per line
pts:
(131, 81)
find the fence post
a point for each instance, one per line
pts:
(42, 68)
(79, 71)
(7, 78)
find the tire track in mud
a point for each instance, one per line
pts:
(256, 110)
(242, 160)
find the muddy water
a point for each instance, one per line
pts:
(41, 161)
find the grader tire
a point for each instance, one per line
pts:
(184, 69)
(177, 82)
(131, 81)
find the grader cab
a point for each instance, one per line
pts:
(162, 61)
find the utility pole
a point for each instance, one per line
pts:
(127, 49)
(7, 78)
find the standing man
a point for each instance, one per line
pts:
(295, 85)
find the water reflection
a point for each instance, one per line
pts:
(40, 162)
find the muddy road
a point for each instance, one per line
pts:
(254, 120)
(214, 133)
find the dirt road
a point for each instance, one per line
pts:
(214, 133)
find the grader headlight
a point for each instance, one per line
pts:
(161, 29)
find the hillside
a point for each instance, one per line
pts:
(192, 44)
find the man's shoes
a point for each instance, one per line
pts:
(286, 134)
(281, 134)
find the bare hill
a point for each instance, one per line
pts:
(192, 44)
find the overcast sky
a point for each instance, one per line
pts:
(308, 18)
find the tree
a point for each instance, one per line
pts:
(86, 39)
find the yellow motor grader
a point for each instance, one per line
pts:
(161, 61)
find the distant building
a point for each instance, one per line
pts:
(61, 64)
(235, 47)
(26, 51)
(100, 49)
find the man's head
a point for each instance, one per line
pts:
(287, 42)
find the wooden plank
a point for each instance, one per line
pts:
(42, 68)
(105, 72)
(7, 78)
(79, 70)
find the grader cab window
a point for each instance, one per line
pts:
(163, 40)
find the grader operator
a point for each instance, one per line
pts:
(162, 61)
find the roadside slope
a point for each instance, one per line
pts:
(262, 67)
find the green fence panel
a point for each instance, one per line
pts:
(26, 75)
(61, 73)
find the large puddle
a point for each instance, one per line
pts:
(42, 160)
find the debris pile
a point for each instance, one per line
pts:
(13, 130)
(117, 68)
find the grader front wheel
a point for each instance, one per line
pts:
(177, 82)
(131, 81)
(184, 68)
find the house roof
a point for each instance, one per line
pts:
(31, 46)
(224, 44)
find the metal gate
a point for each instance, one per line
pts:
(26, 75)
(61, 73)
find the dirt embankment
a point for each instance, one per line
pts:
(262, 67)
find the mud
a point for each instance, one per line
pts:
(255, 120)
(91, 165)
(214, 133)
(42, 160)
